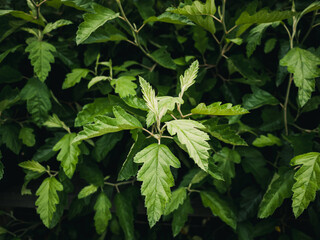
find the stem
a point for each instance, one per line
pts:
(151, 134)
(310, 28)
(285, 105)
(116, 185)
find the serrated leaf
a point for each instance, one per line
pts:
(87, 190)
(169, 17)
(45, 152)
(219, 207)
(124, 86)
(180, 216)
(225, 162)
(69, 152)
(9, 136)
(194, 139)
(156, 178)
(162, 56)
(38, 100)
(48, 199)
(103, 214)
(33, 166)
(105, 144)
(149, 96)
(124, 212)
(177, 198)
(269, 140)
(219, 110)
(258, 98)
(27, 136)
(95, 80)
(188, 78)
(304, 66)
(84, 5)
(92, 21)
(136, 102)
(307, 181)
(103, 125)
(264, 16)
(40, 54)
(22, 15)
(254, 37)
(223, 132)
(52, 26)
(54, 122)
(278, 190)
(100, 106)
(75, 77)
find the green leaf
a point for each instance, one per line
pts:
(264, 16)
(223, 132)
(200, 39)
(258, 98)
(124, 86)
(269, 140)
(307, 181)
(69, 152)
(169, 17)
(178, 197)
(103, 125)
(188, 78)
(103, 214)
(45, 152)
(74, 77)
(156, 178)
(136, 102)
(105, 144)
(48, 199)
(40, 55)
(180, 216)
(27, 136)
(84, 5)
(55, 122)
(33, 166)
(100, 106)
(225, 160)
(269, 45)
(254, 37)
(312, 104)
(96, 79)
(312, 7)
(91, 173)
(11, 50)
(304, 66)
(87, 190)
(219, 207)
(219, 110)
(92, 21)
(163, 58)
(3, 230)
(107, 32)
(278, 190)
(149, 96)
(52, 26)
(9, 135)
(145, 8)
(38, 100)
(194, 139)
(124, 212)
(22, 15)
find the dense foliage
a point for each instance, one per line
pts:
(107, 104)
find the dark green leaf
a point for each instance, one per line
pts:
(180, 216)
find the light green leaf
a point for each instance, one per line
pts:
(264, 16)
(180, 216)
(27, 136)
(149, 96)
(75, 77)
(103, 214)
(219, 110)
(188, 78)
(219, 207)
(124, 86)
(96, 79)
(254, 37)
(136, 102)
(124, 212)
(258, 98)
(103, 125)
(33, 166)
(11, 50)
(169, 17)
(278, 190)
(92, 21)
(52, 26)
(269, 45)
(156, 178)
(224, 132)
(40, 54)
(304, 66)
(55, 122)
(194, 139)
(38, 100)
(48, 199)
(164, 59)
(269, 140)
(178, 197)
(100, 106)
(87, 190)
(307, 181)
(69, 152)
(225, 160)
(22, 15)
(312, 7)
